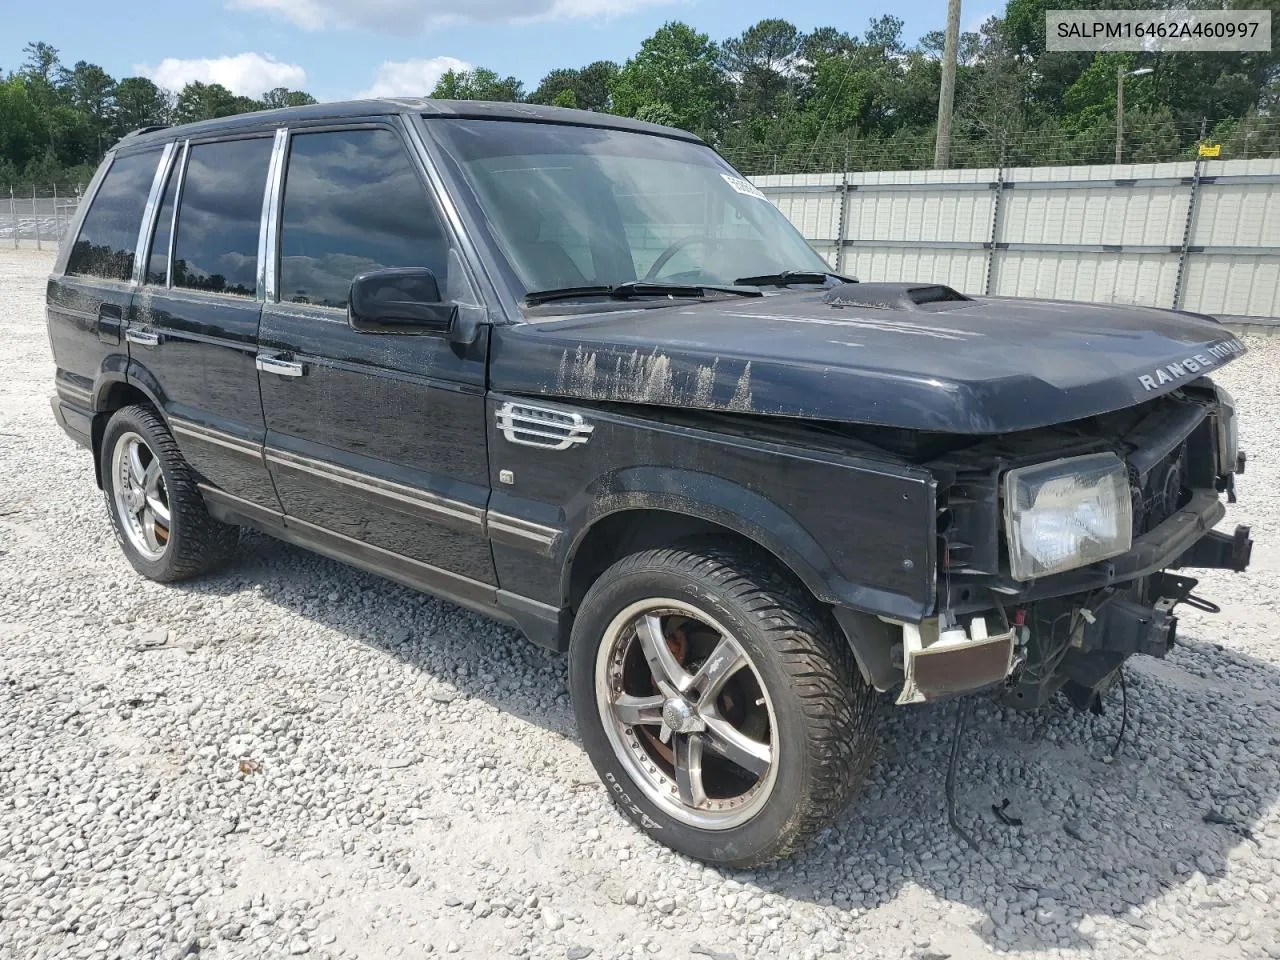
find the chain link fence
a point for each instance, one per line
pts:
(37, 215)
(976, 145)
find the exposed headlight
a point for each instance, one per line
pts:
(1066, 514)
(1228, 431)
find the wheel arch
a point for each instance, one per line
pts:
(683, 504)
(113, 391)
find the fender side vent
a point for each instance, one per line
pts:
(533, 426)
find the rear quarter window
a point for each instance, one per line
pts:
(108, 238)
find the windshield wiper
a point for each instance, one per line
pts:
(635, 288)
(790, 276)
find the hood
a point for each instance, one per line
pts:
(956, 365)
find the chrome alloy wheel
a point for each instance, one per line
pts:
(687, 714)
(142, 501)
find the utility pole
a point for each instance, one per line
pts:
(947, 95)
(1120, 114)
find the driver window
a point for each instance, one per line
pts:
(353, 203)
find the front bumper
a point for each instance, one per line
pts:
(938, 661)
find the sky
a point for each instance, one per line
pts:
(337, 49)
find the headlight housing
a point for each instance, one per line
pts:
(1066, 514)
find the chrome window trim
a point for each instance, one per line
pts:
(142, 246)
(179, 171)
(269, 225)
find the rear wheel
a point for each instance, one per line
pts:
(156, 508)
(717, 702)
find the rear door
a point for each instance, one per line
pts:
(193, 335)
(90, 297)
(372, 439)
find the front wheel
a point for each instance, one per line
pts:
(717, 702)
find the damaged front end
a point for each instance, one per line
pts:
(1055, 547)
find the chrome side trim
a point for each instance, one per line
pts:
(521, 533)
(425, 570)
(405, 498)
(143, 244)
(269, 226)
(245, 449)
(533, 426)
(247, 508)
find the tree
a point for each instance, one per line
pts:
(589, 85)
(91, 93)
(140, 103)
(478, 84)
(205, 101)
(284, 97)
(42, 62)
(23, 132)
(761, 63)
(675, 75)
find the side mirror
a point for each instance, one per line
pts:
(402, 300)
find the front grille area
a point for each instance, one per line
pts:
(1161, 493)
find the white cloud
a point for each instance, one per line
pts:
(412, 16)
(411, 78)
(247, 74)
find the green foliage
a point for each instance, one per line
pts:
(772, 99)
(675, 75)
(589, 85)
(284, 97)
(57, 122)
(478, 84)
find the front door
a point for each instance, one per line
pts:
(376, 442)
(194, 327)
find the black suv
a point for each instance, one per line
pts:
(573, 371)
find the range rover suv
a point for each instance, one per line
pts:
(573, 371)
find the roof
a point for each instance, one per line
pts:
(476, 109)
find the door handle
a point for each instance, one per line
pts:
(144, 338)
(281, 368)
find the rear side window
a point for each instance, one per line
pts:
(107, 241)
(352, 203)
(158, 261)
(216, 247)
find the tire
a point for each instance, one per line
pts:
(190, 542)
(800, 704)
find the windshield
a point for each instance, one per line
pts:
(582, 206)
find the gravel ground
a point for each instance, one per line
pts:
(296, 758)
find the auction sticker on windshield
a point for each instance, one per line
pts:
(744, 187)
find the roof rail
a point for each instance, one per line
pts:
(142, 130)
